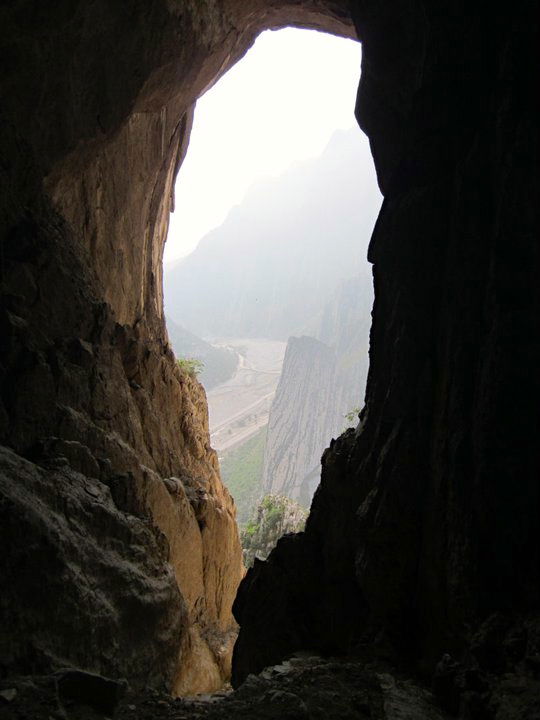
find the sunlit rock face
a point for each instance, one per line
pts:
(425, 521)
(120, 547)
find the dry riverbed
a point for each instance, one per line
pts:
(239, 407)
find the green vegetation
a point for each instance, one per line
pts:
(189, 365)
(241, 471)
(274, 516)
(352, 417)
(218, 363)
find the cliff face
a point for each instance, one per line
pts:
(422, 534)
(113, 456)
(273, 517)
(299, 423)
(344, 325)
(320, 383)
(120, 548)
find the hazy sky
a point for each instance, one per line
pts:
(279, 105)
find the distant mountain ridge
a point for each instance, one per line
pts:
(275, 262)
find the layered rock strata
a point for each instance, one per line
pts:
(299, 422)
(321, 383)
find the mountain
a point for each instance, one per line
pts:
(274, 263)
(219, 363)
(322, 380)
(344, 325)
(299, 418)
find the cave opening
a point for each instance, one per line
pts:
(121, 556)
(267, 289)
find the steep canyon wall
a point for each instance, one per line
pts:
(322, 382)
(120, 547)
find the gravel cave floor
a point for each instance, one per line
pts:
(302, 688)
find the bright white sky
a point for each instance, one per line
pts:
(276, 107)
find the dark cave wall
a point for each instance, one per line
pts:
(456, 267)
(427, 515)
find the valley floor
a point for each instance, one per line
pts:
(239, 407)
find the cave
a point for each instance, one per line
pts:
(120, 554)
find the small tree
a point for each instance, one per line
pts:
(191, 366)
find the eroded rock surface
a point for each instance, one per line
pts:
(301, 418)
(81, 574)
(304, 687)
(322, 382)
(108, 401)
(425, 521)
(96, 111)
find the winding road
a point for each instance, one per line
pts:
(239, 407)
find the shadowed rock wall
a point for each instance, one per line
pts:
(425, 522)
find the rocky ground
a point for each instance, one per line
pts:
(302, 688)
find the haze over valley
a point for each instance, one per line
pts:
(276, 303)
(240, 406)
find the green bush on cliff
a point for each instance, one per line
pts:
(352, 418)
(191, 366)
(273, 517)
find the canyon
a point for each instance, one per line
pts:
(120, 550)
(288, 261)
(320, 391)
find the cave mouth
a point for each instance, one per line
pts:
(87, 211)
(111, 507)
(263, 274)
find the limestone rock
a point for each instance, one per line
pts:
(307, 687)
(97, 106)
(86, 575)
(306, 591)
(83, 688)
(273, 517)
(322, 382)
